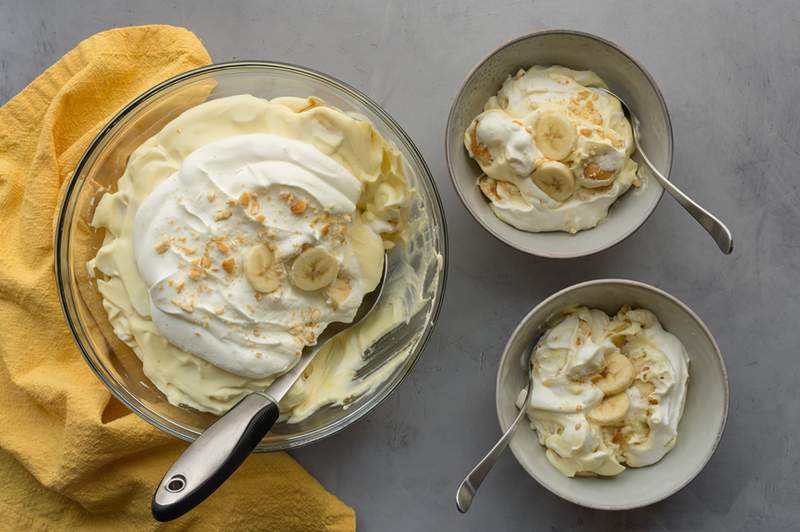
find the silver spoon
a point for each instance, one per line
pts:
(222, 447)
(718, 231)
(471, 483)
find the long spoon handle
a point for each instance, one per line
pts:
(718, 230)
(214, 456)
(713, 225)
(469, 486)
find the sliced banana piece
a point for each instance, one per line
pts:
(610, 410)
(617, 376)
(645, 388)
(339, 291)
(258, 269)
(555, 135)
(595, 176)
(479, 152)
(313, 269)
(555, 180)
(489, 187)
(603, 167)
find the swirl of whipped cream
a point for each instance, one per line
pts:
(192, 233)
(387, 195)
(660, 359)
(567, 363)
(503, 140)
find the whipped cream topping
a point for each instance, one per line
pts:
(577, 408)
(513, 151)
(290, 173)
(593, 141)
(228, 196)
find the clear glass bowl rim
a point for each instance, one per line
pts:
(62, 234)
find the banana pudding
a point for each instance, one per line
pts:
(607, 392)
(555, 154)
(237, 234)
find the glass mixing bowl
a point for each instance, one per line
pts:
(104, 162)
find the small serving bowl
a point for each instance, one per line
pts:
(700, 428)
(623, 74)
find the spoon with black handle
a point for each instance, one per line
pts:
(718, 231)
(222, 447)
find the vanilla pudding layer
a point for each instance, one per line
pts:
(608, 392)
(555, 154)
(286, 176)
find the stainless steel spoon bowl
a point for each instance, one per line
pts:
(718, 231)
(219, 451)
(469, 486)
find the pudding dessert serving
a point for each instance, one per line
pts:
(555, 154)
(607, 392)
(238, 233)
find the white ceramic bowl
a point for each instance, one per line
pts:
(700, 428)
(580, 51)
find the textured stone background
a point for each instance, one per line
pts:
(730, 71)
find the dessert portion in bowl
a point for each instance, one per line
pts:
(238, 233)
(555, 154)
(607, 392)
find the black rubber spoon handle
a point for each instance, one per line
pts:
(214, 456)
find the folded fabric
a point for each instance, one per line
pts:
(71, 456)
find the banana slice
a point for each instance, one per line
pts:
(258, 269)
(617, 376)
(603, 167)
(555, 180)
(479, 152)
(595, 176)
(610, 410)
(555, 135)
(489, 188)
(339, 291)
(645, 388)
(313, 269)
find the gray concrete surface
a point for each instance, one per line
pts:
(730, 71)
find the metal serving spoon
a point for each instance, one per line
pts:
(718, 231)
(471, 483)
(221, 449)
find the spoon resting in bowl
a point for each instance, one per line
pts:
(219, 451)
(718, 231)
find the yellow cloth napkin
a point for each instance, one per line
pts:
(71, 456)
